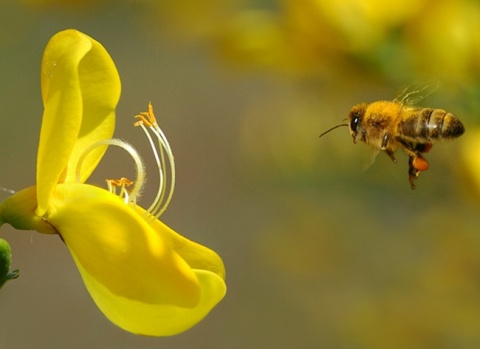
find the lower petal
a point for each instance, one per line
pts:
(197, 256)
(155, 319)
(113, 246)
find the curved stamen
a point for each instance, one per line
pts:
(163, 153)
(129, 197)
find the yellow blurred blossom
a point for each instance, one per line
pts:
(471, 158)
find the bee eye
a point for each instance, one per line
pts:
(354, 123)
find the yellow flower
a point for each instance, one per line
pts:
(144, 277)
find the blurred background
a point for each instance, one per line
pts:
(320, 253)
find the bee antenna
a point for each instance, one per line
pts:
(331, 129)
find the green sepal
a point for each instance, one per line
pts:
(5, 260)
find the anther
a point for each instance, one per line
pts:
(125, 182)
(122, 183)
(146, 118)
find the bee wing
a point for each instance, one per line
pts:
(372, 159)
(413, 94)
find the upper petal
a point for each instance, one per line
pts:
(80, 90)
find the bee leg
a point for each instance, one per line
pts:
(415, 153)
(390, 154)
(423, 147)
(385, 140)
(416, 162)
(413, 172)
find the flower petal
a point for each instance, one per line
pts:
(197, 256)
(115, 247)
(100, 86)
(156, 319)
(80, 90)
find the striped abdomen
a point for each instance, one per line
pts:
(429, 125)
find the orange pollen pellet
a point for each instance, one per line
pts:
(420, 163)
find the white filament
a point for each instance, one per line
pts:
(140, 168)
(162, 199)
(162, 155)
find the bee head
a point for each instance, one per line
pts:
(355, 117)
(355, 122)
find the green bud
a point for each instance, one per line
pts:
(5, 260)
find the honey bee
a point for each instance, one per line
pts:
(389, 125)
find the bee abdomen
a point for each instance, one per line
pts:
(428, 124)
